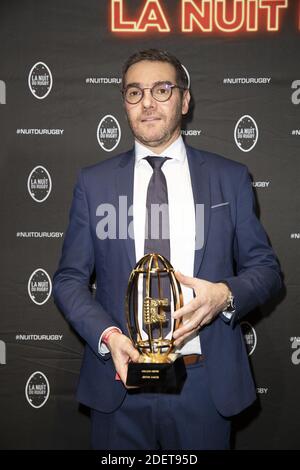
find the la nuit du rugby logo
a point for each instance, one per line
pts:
(39, 286)
(40, 80)
(39, 184)
(246, 133)
(249, 336)
(37, 389)
(187, 76)
(108, 133)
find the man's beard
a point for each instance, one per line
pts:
(163, 135)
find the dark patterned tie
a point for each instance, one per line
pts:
(157, 230)
(157, 234)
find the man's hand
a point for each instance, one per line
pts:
(122, 352)
(210, 299)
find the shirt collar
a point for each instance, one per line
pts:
(176, 151)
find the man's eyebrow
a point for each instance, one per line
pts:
(139, 85)
(133, 84)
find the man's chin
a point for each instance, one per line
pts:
(152, 142)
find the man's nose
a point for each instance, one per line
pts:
(148, 101)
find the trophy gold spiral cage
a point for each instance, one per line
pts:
(153, 293)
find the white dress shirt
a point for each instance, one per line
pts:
(181, 215)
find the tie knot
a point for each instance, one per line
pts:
(156, 162)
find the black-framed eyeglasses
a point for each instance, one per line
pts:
(160, 91)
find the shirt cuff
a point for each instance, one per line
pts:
(226, 316)
(102, 348)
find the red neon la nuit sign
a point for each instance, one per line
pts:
(201, 16)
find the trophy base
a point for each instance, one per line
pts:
(159, 377)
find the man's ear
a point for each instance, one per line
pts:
(186, 98)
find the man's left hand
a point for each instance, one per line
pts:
(210, 299)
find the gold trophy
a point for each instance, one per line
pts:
(153, 293)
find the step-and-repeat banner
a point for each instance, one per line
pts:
(61, 110)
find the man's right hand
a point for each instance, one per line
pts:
(122, 352)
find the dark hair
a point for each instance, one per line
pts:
(157, 55)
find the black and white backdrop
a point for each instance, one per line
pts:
(61, 110)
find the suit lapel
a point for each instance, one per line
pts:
(124, 187)
(200, 179)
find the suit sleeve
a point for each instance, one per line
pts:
(71, 281)
(258, 273)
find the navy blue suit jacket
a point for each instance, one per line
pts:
(235, 249)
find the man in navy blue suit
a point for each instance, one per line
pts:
(223, 261)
